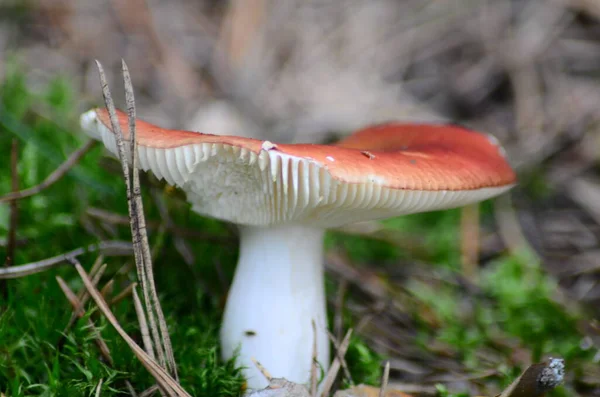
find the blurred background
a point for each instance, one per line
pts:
(458, 308)
(300, 70)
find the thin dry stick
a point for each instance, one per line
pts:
(143, 235)
(345, 368)
(106, 247)
(137, 224)
(95, 273)
(132, 220)
(82, 298)
(149, 391)
(123, 294)
(96, 276)
(262, 369)
(54, 176)
(131, 389)
(509, 227)
(385, 379)
(98, 266)
(77, 303)
(107, 289)
(146, 339)
(99, 388)
(104, 350)
(335, 365)
(313, 368)
(170, 385)
(469, 226)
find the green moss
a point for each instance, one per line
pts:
(364, 364)
(525, 308)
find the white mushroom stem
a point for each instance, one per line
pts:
(278, 289)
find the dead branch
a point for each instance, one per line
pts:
(107, 290)
(149, 391)
(139, 310)
(335, 365)
(262, 369)
(99, 388)
(165, 381)
(108, 248)
(469, 227)
(141, 247)
(385, 379)
(54, 176)
(77, 310)
(123, 294)
(95, 273)
(337, 347)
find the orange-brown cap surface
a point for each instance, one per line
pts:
(378, 172)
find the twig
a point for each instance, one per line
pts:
(54, 176)
(139, 310)
(509, 227)
(141, 249)
(313, 368)
(385, 379)
(96, 276)
(106, 247)
(97, 270)
(149, 391)
(170, 385)
(95, 273)
(123, 294)
(335, 366)
(262, 369)
(99, 388)
(469, 227)
(107, 289)
(131, 389)
(77, 307)
(164, 341)
(345, 368)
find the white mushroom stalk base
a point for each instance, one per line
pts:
(277, 291)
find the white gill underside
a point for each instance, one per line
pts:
(240, 186)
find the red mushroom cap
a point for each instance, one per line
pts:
(378, 172)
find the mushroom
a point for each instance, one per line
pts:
(284, 196)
